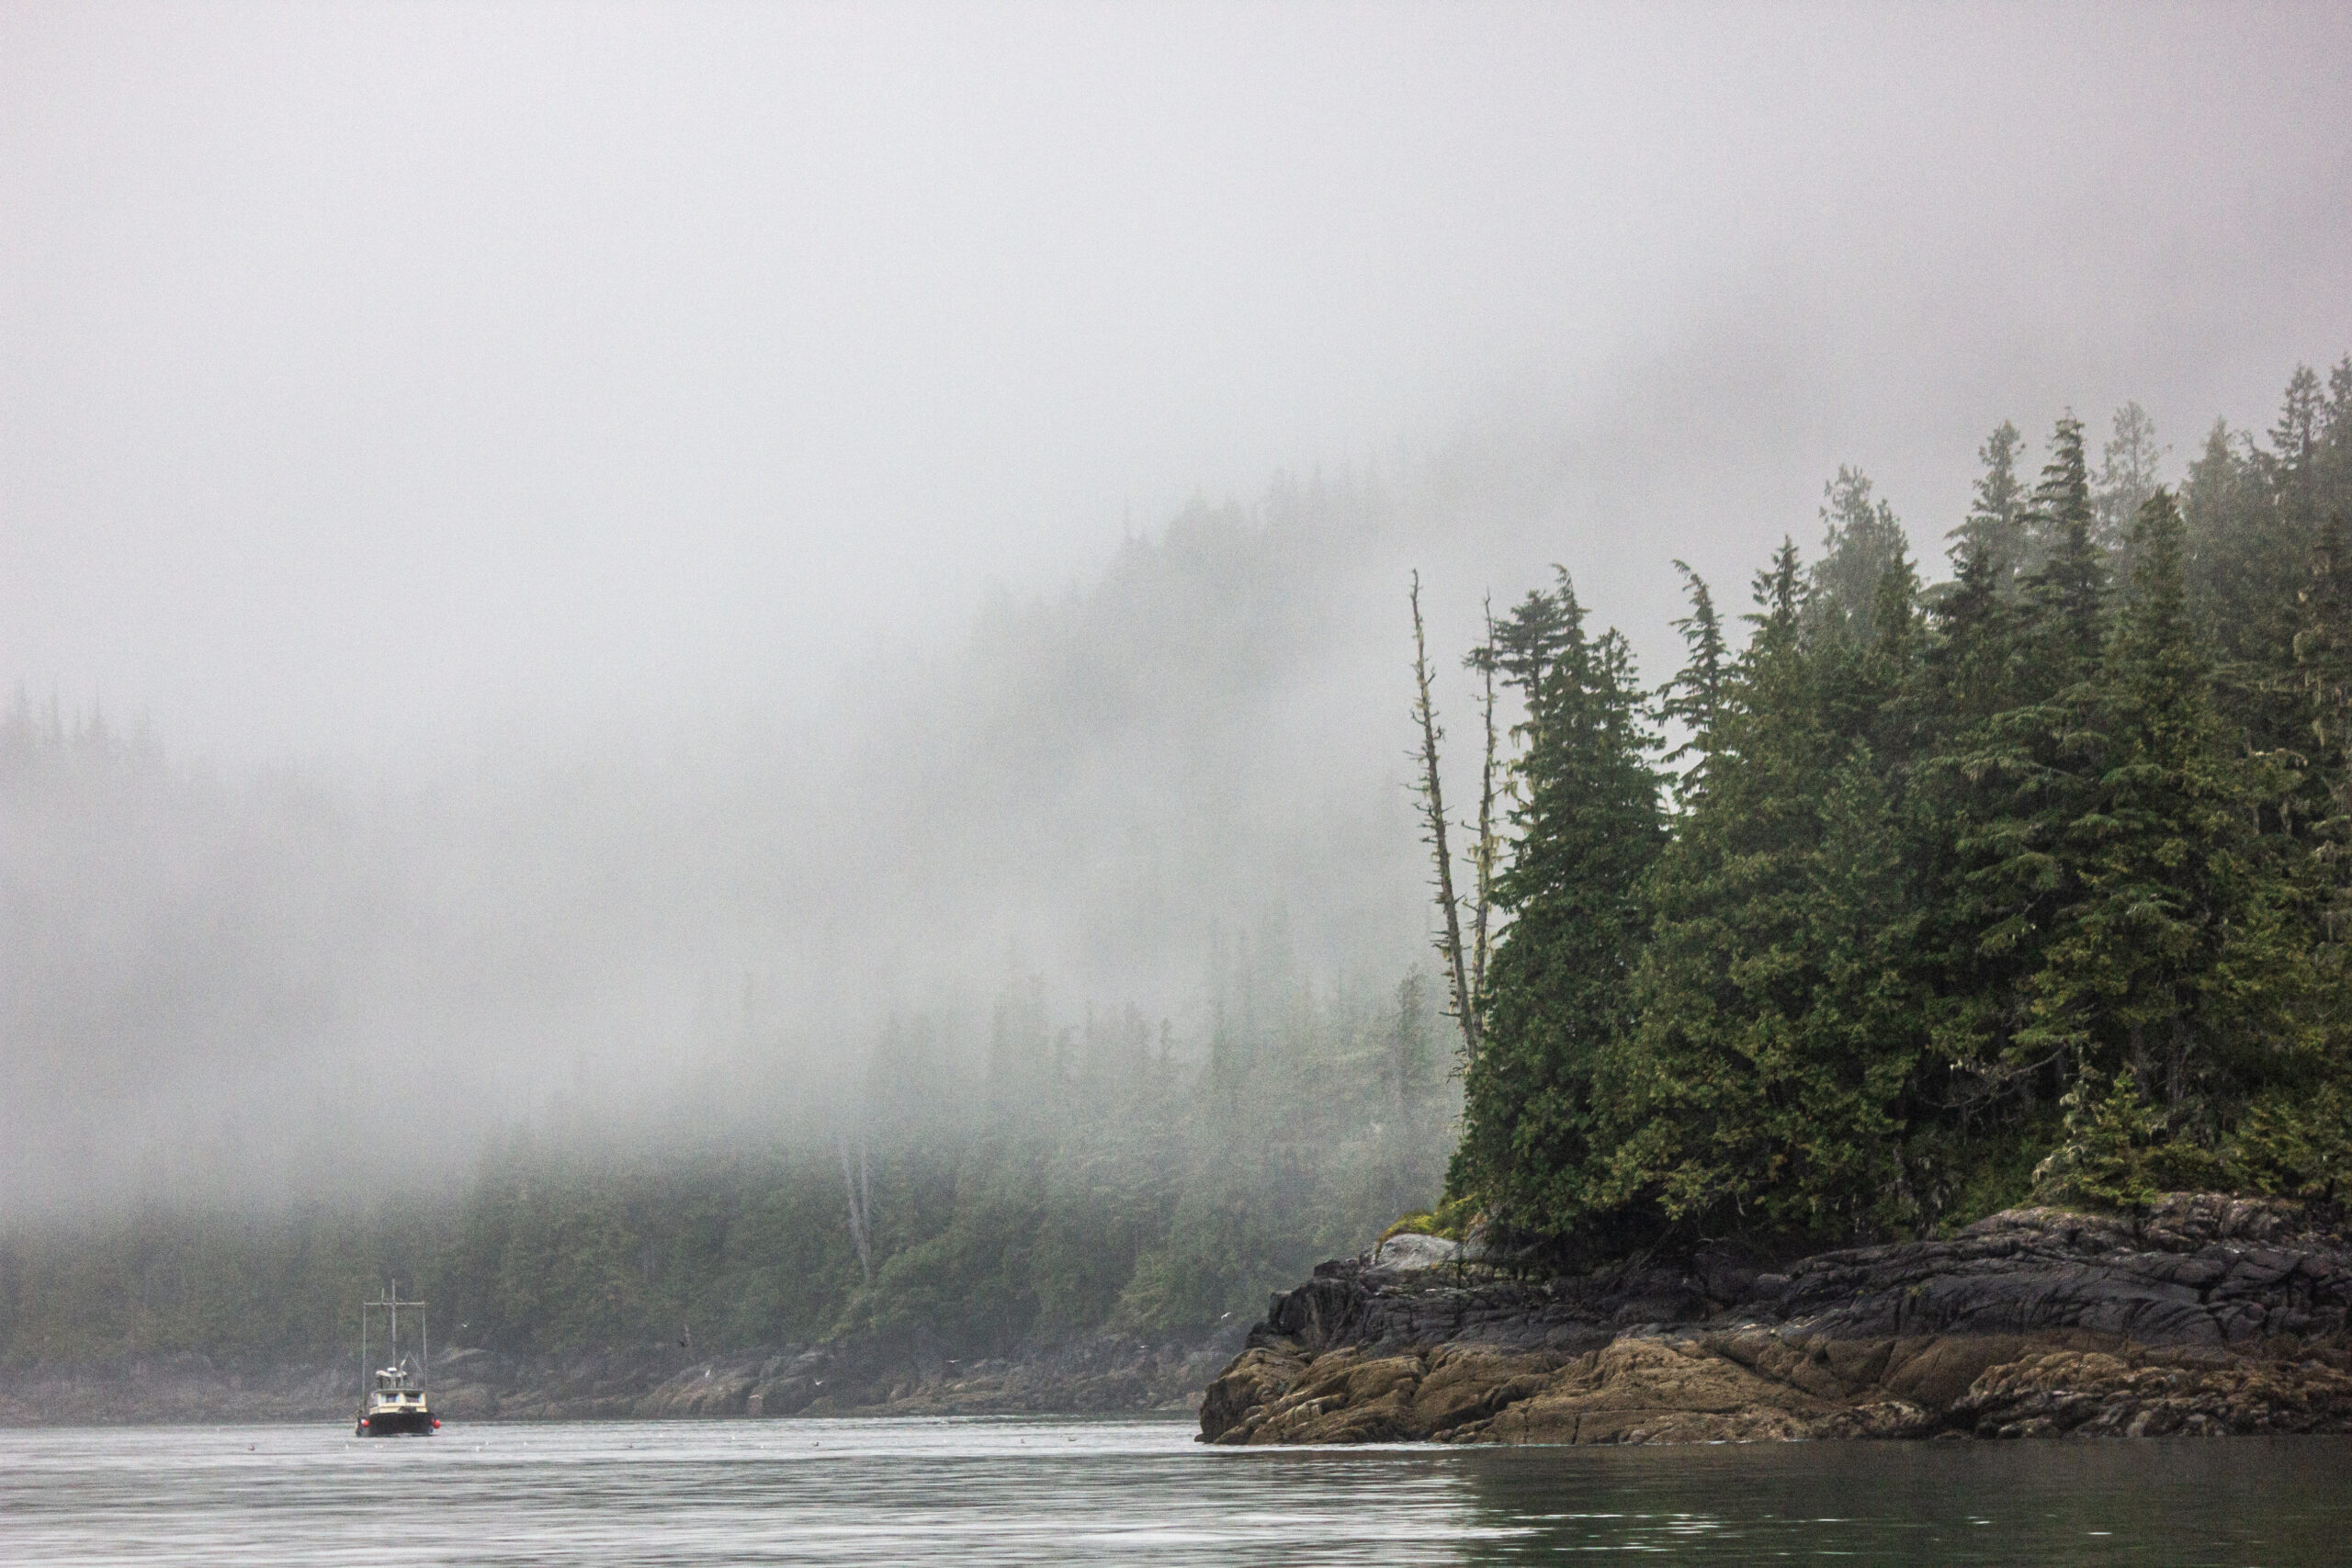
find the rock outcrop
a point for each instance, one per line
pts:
(2207, 1315)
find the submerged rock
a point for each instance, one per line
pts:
(2209, 1314)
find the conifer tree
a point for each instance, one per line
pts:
(1945, 865)
(1693, 700)
(1861, 540)
(1995, 528)
(1772, 1045)
(1588, 824)
(1958, 803)
(2129, 472)
(2295, 438)
(2323, 687)
(2004, 787)
(2065, 579)
(2151, 963)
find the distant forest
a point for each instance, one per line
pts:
(1897, 904)
(1086, 1181)
(1918, 902)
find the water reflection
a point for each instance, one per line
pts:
(2286, 1501)
(977, 1493)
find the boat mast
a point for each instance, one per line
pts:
(389, 1303)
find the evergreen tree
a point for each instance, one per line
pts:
(1946, 865)
(1964, 678)
(2066, 579)
(2295, 438)
(2323, 687)
(1860, 541)
(2333, 463)
(1771, 1046)
(2130, 470)
(1995, 528)
(1588, 824)
(2003, 781)
(1693, 700)
(2153, 963)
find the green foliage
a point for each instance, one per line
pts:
(1559, 992)
(1994, 532)
(2040, 881)
(1954, 1177)
(1773, 1035)
(1450, 1220)
(2104, 1160)
(2295, 1143)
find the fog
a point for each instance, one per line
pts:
(583, 558)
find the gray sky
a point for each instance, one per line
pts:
(606, 424)
(374, 379)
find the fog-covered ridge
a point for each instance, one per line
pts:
(262, 984)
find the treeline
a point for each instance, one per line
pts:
(1098, 1176)
(2033, 881)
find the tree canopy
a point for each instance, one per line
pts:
(2036, 880)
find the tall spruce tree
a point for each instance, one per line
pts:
(1995, 528)
(1693, 700)
(1590, 822)
(2324, 686)
(2002, 787)
(1772, 1042)
(2152, 964)
(1964, 678)
(1861, 539)
(2130, 470)
(2065, 579)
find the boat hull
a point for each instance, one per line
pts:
(397, 1423)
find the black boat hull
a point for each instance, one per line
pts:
(397, 1423)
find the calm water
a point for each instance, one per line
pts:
(977, 1492)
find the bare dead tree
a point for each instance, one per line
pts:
(1432, 793)
(861, 1202)
(1482, 853)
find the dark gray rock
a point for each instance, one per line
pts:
(1888, 1340)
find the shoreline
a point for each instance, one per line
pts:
(1104, 1375)
(2207, 1315)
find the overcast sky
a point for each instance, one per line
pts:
(374, 375)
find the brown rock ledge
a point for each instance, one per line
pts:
(2209, 1316)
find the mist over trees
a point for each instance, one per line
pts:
(1085, 1180)
(988, 1011)
(1060, 982)
(675, 938)
(2034, 880)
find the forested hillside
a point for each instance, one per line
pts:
(1084, 1179)
(1898, 903)
(1017, 936)
(1915, 902)
(209, 984)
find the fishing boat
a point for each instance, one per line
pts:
(393, 1402)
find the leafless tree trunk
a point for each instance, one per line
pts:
(861, 1209)
(1482, 858)
(1432, 793)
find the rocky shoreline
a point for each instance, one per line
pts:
(1103, 1375)
(2208, 1315)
